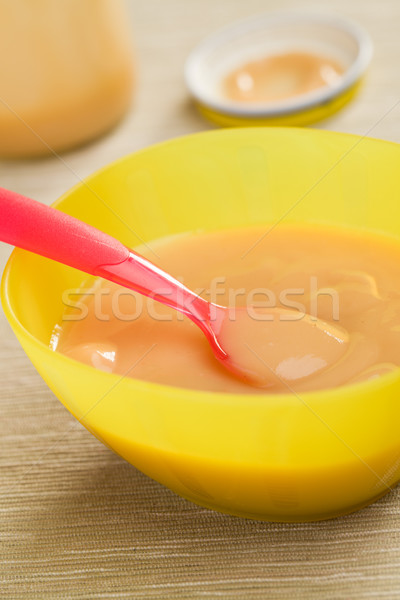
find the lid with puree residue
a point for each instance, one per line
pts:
(278, 69)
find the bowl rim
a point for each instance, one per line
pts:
(309, 399)
(301, 103)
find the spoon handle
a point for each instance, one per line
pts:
(51, 233)
(47, 231)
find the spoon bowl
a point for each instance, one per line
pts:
(276, 348)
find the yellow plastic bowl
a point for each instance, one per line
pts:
(272, 457)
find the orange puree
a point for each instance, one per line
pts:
(320, 278)
(280, 77)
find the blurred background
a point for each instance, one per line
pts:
(163, 34)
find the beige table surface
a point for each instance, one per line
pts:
(76, 521)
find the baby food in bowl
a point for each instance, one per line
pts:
(306, 454)
(342, 281)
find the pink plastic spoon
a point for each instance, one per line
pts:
(264, 347)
